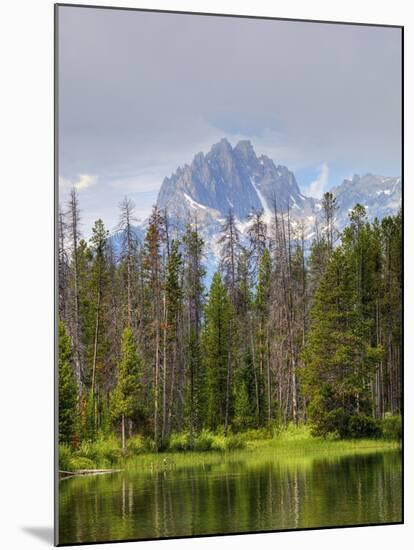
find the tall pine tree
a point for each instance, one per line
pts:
(68, 389)
(124, 399)
(216, 351)
(338, 361)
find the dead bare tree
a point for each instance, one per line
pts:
(74, 237)
(129, 249)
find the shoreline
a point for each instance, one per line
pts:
(276, 448)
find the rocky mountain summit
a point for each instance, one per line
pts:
(380, 195)
(233, 179)
(236, 179)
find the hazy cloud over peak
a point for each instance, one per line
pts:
(319, 185)
(140, 90)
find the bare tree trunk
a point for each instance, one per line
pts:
(256, 382)
(62, 267)
(95, 344)
(294, 392)
(156, 383)
(269, 395)
(123, 432)
(171, 397)
(129, 292)
(74, 214)
(129, 248)
(164, 380)
(228, 386)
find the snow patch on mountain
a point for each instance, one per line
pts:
(267, 214)
(193, 203)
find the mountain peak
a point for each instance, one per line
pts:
(244, 149)
(244, 145)
(222, 146)
(228, 178)
(198, 159)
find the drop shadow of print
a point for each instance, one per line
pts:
(42, 533)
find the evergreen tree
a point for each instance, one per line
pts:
(87, 322)
(99, 293)
(230, 251)
(244, 394)
(195, 386)
(194, 273)
(216, 351)
(318, 260)
(153, 270)
(262, 306)
(124, 398)
(338, 361)
(391, 233)
(68, 389)
(323, 243)
(329, 207)
(193, 293)
(172, 371)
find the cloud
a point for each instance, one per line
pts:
(85, 181)
(303, 93)
(318, 186)
(124, 111)
(82, 182)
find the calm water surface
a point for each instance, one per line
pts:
(239, 493)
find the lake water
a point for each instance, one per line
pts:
(237, 493)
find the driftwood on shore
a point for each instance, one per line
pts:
(93, 472)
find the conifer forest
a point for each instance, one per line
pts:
(154, 349)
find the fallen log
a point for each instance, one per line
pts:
(91, 472)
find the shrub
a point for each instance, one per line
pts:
(65, 455)
(179, 442)
(339, 423)
(204, 441)
(218, 442)
(207, 441)
(103, 452)
(361, 425)
(327, 422)
(235, 442)
(139, 444)
(294, 432)
(391, 427)
(109, 449)
(86, 449)
(80, 463)
(150, 445)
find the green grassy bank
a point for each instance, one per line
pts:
(106, 452)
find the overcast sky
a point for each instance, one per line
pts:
(141, 93)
